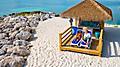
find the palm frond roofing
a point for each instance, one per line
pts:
(89, 10)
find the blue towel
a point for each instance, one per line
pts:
(74, 30)
(83, 43)
(75, 41)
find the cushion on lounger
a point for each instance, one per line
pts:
(97, 35)
(74, 30)
(75, 41)
(83, 43)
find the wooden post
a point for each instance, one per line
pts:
(100, 42)
(75, 21)
(60, 40)
(102, 24)
(79, 21)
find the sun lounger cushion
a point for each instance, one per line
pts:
(97, 34)
(83, 43)
(75, 41)
(74, 30)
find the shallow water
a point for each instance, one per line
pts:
(57, 6)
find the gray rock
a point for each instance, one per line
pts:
(52, 14)
(20, 42)
(2, 52)
(10, 50)
(7, 30)
(10, 25)
(2, 57)
(43, 17)
(30, 45)
(1, 30)
(1, 18)
(24, 24)
(5, 47)
(22, 51)
(6, 19)
(2, 35)
(24, 35)
(27, 28)
(33, 30)
(30, 29)
(8, 54)
(13, 34)
(19, 50)
(22, 28)
(33, 23)
(4, 42)
(7, 38)
(9, 42)
(15, 64)
(17, 26)
(12, 61)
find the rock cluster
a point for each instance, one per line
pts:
(16, 32)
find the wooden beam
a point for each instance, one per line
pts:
(67, 39)
(100, 42)
(69, 32)
(82, 50)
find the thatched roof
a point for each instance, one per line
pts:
(89, 10)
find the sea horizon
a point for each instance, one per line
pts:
(15, 6)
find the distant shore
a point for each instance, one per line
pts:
(26, 14)
(37, 12)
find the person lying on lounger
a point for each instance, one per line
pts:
(86, 35)
(78, 37)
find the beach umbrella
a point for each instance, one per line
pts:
(88, 10)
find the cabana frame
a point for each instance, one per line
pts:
(63, 42)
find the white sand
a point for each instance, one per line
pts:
(45, 51)
(111, 25)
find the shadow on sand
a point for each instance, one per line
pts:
(111, 45)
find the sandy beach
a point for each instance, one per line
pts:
(33, 32)
(45, 51)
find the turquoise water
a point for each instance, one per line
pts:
(57, 6)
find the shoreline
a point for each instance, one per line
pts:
(27, 13)
(37, 12)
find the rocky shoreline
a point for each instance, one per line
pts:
(16, 33)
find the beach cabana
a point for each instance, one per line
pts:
(89, 11)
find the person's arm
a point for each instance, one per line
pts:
(88, 38)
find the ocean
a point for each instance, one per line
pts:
(57, 6)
